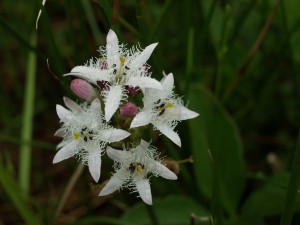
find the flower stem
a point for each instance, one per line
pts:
(68, 190)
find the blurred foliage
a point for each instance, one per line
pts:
(235, 63)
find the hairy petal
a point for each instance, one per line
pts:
(90, 74)
(63, 114)
(115, 182)
(112, 49)
(167, 131)
(117, 155)
(141, 119)
(142, 58)
(113, 135)
(112, 99)
(161, 170)
(143, 187)
(72, 105)
(168, 83)
(94, 163)
(143, 82)
(66, 152)
(179, 113)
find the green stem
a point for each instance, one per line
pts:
(28, 108)
(68, 190)
(288, 209)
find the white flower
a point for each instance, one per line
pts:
(85, 134)
(163, 110)
(119, 67)
(132, 168)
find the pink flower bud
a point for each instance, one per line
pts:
(133, 90)
(83, 89)
(129, 109)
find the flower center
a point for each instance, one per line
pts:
(121, 71)
(136, 167)
(84, 133)
(163, 106)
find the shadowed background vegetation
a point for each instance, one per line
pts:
(237, 63)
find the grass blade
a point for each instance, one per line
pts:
(14, 194)
(26, 132)
(288, 209)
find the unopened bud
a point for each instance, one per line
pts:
(129, 109)
(83, 89)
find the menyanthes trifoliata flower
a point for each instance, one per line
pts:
(163, 110)
(118, 68)
(85, 134)
(133, 168)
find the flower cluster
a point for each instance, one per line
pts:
(120, 99)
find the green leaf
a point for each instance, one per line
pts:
(215, 130)
(269, 199)
(14, 193)
(172, 210)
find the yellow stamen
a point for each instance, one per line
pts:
(122, 59)
(169, 105)
(139, 168)
(76, 136)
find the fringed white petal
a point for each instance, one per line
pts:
(161, 170)
(113, 184)
(61, 132)
(90, 74)
(112, 49)
(143, 82)
(113, 135)
(117, 155)
(168, 132)
(112, 100)
(65, 153)
(144, 189)
(96, 106)
(94, 163)
(141, 119)
(63, 114)
(168, 83)
(72, 105)
(144, 144)
(179, 113)
(142, 58)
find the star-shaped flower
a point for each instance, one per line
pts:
(85, 133)
(163, 110)
(132, 169)
(118, 67)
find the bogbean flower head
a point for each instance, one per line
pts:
(85, 134)
(119, 69)
(133, 168)
(163, 110)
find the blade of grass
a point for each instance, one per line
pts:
(222, 50)
(92, 20)
(158, 24)
(17, 140)
(189, 59)
(107, 12)
(216, 215)
(22, 41)
(27, 124)
(252, 52)
(292, 189)
(10, 187)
